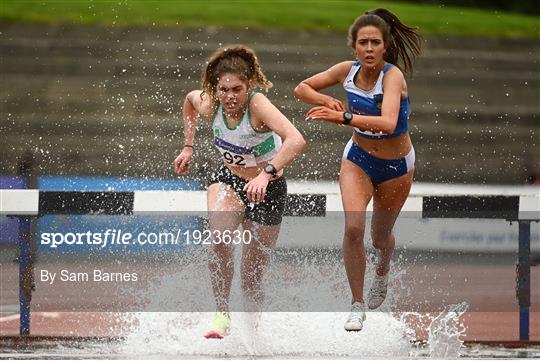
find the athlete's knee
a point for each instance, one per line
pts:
(250, 282)
(254, 296)
(379, 243)
(220, 257)
(354, 232)
(221, 250)
(382, 241)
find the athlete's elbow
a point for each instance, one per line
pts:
(388, 130)
(297, 142)
(389, 127)
(300, 142)
(299, 90)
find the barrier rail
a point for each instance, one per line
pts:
(521, 207)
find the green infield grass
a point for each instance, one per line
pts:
(277, 14)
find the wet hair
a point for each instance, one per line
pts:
(403, 43)
(234, 59)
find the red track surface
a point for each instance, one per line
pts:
(485, 287)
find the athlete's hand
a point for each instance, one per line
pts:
(256, 188)
(181, 163)
(333, 104)
(324, 113)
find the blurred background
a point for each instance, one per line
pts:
(95, 88)
(92, 94)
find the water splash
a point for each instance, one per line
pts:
(445, 330)
(293, 334)
(278, 334)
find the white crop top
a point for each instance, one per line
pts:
(243, 145)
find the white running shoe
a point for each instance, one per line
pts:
(356, 318)
(378, 290)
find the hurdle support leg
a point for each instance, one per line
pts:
(523, 286)
(26, 274)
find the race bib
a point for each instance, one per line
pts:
(234, 154)
(241, 160)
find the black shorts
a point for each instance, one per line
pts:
(270, 211)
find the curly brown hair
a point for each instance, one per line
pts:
(235, 59)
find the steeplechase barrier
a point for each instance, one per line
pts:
(437, 201)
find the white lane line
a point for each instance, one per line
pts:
(35, 314)
(9, 318)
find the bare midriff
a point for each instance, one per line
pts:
(388, 148)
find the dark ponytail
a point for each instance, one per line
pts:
(403, 43)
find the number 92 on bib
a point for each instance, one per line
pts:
(240, 160)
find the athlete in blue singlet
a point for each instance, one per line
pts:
(256, 142)
(378, 161)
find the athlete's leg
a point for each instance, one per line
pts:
(255, 258)
(356, 192)
(388, 199)
(225, 212)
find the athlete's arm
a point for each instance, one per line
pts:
(293, 143)
(308, 90)
(386, 122)
(194, 106)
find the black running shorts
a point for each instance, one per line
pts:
(270, 211)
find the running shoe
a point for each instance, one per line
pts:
(377, 291)
(220, 327)
(356, 318)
